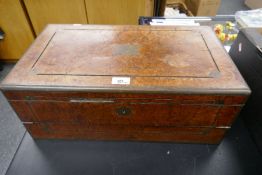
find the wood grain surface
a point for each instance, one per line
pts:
(118, 11)
(120, 133)
(184, 87)
(148, 117)
(18, 34)
(44, 12)
(174, 110)
(157, 59)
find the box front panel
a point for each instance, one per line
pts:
(76, 131)
(125, 112)
(125, 116)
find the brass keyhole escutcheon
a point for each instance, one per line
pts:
(123, 111)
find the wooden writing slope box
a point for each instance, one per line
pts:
(126, 83)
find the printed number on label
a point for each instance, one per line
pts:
(121, 80)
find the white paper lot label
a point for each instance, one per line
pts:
(120, 80)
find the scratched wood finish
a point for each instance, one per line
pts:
(156, 59)
(163, 134)
(183, 87)
(152, 110)
(168, 117)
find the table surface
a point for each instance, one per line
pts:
(235, 155)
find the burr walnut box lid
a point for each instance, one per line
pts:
(127, 58)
